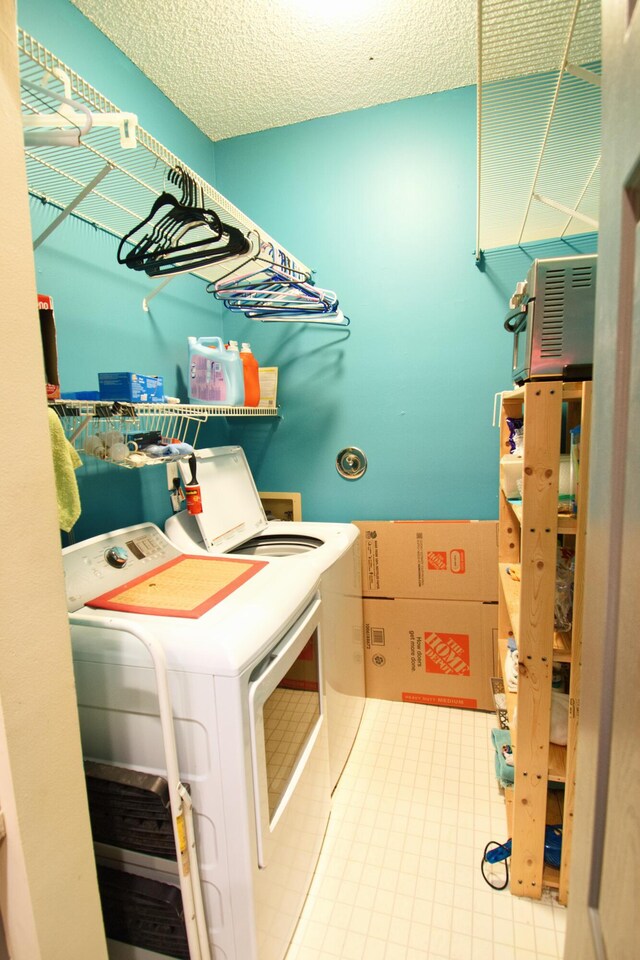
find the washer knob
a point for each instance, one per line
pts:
(117, 557)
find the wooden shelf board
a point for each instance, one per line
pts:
(511, 395)
(555, 806)
(567, 523)
(572, 391)
(557, 763)
(511, 592)
(562, 647)
(516, 506)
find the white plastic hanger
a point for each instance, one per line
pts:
(70, 114)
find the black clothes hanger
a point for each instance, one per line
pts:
(175, 217)
(172, 228)
(170, 262)
(163, 249)
(179, 215)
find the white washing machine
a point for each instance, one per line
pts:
(233, 521)
(199, 686)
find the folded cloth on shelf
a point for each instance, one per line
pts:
(511, 670)
(504, 771)
(559, 727)
(65, 462)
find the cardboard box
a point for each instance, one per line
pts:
(430, 559)
(131, 387)
(430, 651)
(49, 346)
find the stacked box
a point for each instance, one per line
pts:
(430, 611)
(131, 387)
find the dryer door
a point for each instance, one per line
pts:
(288, 737)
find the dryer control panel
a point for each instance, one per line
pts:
(103, 563)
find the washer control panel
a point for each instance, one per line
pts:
(96, 566)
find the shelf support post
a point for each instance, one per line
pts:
(542, 415)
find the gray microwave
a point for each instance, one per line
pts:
(551, 318)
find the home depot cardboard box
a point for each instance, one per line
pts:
(430, 651)
(430, 559)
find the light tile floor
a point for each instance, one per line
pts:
(399, 874)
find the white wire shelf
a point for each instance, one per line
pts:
(117, 187)
(539, 102)
(94, 428)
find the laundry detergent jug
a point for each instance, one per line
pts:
(215, 374)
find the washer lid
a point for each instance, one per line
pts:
(232, 511)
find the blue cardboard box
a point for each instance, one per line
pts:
(81, 395)
(131, 387)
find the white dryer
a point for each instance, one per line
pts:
(233, 521)
(234, 649)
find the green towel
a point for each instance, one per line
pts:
(504, 772)
(65, 462)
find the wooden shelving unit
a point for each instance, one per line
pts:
(528, 538)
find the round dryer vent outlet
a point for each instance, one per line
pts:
(351, 463)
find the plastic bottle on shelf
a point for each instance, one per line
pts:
(215, 374)
(233, 346)
(251, 377)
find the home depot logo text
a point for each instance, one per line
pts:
(438, 560)
(447, 653)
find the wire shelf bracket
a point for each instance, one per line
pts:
(70, 207)
(154, 293)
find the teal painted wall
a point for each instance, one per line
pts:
(98, 303)
(381, 202)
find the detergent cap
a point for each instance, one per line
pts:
(232, 345)
(246, 348)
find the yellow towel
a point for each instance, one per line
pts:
(65, 461)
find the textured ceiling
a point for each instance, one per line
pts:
(237, 66)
